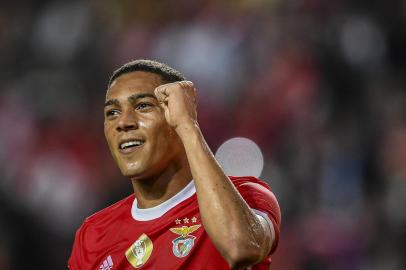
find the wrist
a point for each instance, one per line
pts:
(187, 129)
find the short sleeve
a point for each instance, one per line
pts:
(260, 197)
(75, 258)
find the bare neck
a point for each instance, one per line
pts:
(159, 188)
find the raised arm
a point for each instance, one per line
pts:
(242, 237)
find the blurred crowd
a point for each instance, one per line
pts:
(320, 86)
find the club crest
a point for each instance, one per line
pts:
(140, 251)
(184, 243)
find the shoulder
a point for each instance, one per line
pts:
(102, 222)
(113, 211)
(241, 181)
(258, 195)
(261, 200)
(249, 186)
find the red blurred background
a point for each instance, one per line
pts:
(318, 85)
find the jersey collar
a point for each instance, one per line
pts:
(159, 210)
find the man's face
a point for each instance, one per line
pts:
(139, 138)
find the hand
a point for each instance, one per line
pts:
(178, 99)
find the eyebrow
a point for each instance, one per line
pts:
(134, 97)
(131, 98)
(112, 102)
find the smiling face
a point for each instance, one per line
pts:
(139, 138)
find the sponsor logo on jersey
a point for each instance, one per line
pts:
(140, 251)
(185, 242)
(107, 264)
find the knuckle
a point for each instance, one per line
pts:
(181, 84)
(185, 84)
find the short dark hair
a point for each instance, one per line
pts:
(167, 73)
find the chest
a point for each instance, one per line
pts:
(176, 242)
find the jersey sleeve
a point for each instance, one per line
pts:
(74, 262)
(260, 197)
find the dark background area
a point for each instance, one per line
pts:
(318, 85)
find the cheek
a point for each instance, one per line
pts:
(161, 132)
(107, 135)
(142, 124)
(167, 141)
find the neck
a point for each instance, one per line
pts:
(157, 189)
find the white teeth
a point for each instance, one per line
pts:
(130, 144)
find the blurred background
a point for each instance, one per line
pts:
(318, 85)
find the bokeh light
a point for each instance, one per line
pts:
(240, 157)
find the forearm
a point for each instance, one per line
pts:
(234, 229)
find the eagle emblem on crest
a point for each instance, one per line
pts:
(184, 243)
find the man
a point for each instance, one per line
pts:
(185, 213)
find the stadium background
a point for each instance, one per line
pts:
(318, 85)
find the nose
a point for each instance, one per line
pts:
(127, 122)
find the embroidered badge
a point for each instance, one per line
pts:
(140, 251)
(184, 243)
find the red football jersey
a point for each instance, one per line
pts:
(168, 236)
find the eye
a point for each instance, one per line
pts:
(143, 106)
(112, 113)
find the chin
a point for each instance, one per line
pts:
(131, 172)
(129, 168)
